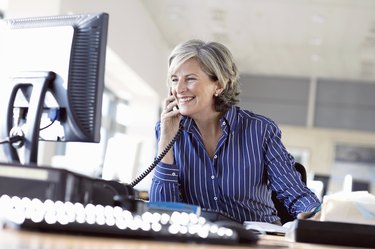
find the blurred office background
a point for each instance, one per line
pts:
(308, 64)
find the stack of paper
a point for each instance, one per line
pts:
(266, 228)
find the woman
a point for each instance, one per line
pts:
(226, 159)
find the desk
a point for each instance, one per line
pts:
(13, 239)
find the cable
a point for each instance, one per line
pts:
(53, 115)
(157, 160)
(50, 124)
(12, 139)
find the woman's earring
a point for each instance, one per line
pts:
(216, 94)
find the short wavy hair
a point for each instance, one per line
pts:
(216, 61)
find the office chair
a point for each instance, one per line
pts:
(282, 212)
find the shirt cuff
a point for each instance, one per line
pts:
(166, 172)
(312, 206)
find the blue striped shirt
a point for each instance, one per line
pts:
(250, 161)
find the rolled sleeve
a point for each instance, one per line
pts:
(164, 186)
(285, 180)
(305, 203)
(166, 172)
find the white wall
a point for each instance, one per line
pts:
(24, 8)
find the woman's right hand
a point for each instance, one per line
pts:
(170, 117)
(169, 125)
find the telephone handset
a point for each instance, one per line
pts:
(161, 155)
(170, 93)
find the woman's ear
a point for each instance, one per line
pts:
(219, 89)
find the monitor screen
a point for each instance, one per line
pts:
(52, 81)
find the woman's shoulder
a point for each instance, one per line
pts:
(253, 116)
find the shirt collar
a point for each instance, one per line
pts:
(229, 118)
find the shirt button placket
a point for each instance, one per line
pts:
(213, 177)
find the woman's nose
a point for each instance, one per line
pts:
(181, 86)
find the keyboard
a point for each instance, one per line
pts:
(114, 221)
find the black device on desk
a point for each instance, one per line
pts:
(335, 233)
(54, 184)
(54, 81)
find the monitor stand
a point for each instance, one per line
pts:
(22, 177)
(33, 86)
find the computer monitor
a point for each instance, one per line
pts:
(361, 185)
(52, 81)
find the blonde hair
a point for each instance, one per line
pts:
(216, 61)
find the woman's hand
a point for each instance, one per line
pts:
(170, 117)
(313, 214)
(169, 125)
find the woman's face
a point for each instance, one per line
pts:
(194, 90)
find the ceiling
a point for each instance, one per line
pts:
(303, 38)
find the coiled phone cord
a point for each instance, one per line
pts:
(158, 159)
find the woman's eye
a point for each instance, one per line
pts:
(190, 79)
(174, 80)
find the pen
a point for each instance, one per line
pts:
(316, 210)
